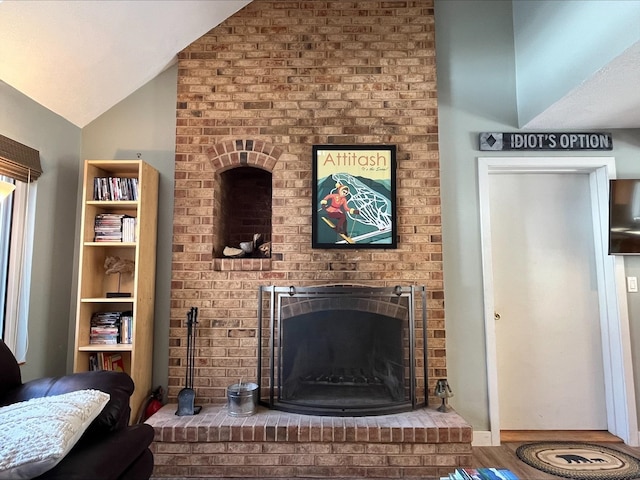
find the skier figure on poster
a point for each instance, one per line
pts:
(336, 206)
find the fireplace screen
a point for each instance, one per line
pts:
(338, 350)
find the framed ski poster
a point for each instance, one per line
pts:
(354, 196)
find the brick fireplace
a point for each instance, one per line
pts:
(339, 350)
(255, 94)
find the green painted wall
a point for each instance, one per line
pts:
(477, 92)
(58, 142)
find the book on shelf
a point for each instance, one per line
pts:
(126, 327)
(111, 328)
(111, 361)
(115, 188)
(482, 474)
(114, 227)
(104, 328)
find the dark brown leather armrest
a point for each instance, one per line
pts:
(107, 459)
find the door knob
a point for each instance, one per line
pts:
(496, 316)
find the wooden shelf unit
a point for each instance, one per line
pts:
(94, 283)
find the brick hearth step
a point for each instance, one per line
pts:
(422, 443)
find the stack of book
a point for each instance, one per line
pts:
(106, 361)
(115, 188)
(111, 328)
(481, 474)
(105, 328)
(114, 227)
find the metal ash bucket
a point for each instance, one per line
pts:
(242, 399)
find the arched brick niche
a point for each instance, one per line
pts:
(242, 197)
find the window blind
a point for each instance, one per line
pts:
(19, 161)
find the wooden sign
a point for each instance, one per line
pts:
(500, 142)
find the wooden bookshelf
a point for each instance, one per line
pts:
(94, 284)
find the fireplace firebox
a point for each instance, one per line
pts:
(339, 350)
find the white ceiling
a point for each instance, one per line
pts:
(80, 58)
(608, 99)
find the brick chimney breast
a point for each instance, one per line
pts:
(256, 93)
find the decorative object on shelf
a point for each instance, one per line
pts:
(232, 252)
(114, 264)
(265, 250)
(257, 240)
(187, 395)
(443, 391)
(254, 249)
(246, 247)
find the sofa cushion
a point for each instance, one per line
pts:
(36, 434)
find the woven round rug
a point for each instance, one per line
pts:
(582, 461)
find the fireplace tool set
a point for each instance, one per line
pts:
(187, 396)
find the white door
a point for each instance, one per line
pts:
(619, 388)
(548, 344)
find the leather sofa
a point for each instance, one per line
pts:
(110, 448)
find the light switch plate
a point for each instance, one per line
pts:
(632, 284)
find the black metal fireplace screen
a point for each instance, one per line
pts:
(339, 350)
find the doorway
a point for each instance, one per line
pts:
(614, 385)
(546, 298)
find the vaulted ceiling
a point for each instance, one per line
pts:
(80, 58)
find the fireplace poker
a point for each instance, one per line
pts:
(194, 316)
(186, 396)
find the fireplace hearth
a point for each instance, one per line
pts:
(338, 350)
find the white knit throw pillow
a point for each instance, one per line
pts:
(35, 435)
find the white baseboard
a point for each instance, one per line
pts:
(481, 439)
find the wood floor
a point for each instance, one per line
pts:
(505, 455)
